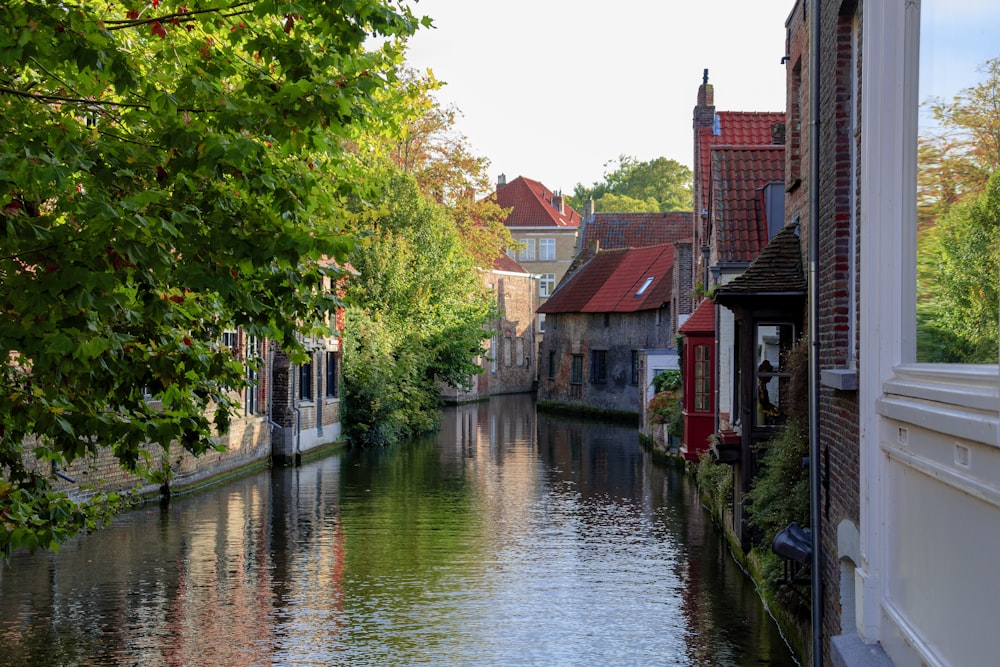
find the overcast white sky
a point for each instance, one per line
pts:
(554, 89)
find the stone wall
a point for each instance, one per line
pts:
(616, 334)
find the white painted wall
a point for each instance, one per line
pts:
(927, 586)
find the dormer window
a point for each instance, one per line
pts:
(645, 286)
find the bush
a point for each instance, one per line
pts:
(715, 482)
(780, 492)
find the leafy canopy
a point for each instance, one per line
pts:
(416, 319)
(168, 169)
(659, 185)
(958, 258)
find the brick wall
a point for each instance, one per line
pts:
(683, 286)
(838, 283)
(618, 334)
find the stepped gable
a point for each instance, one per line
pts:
(611, 281)
(534, 205)
(637, 230)
(777, 270)
(739, 214)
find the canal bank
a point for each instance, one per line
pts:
(786, 603)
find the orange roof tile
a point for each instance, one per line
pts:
(735, 128)
(701, 321)
(738, 215)
(613, 281)
(534, 205)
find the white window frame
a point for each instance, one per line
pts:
(527, 252)
(546, 250)
(546, 284)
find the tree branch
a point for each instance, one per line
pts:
(233, 10)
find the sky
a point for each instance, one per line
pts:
(554, 90)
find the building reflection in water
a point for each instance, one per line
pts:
(511, 537)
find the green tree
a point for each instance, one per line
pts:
(959, 271)
(962, 149)
(665, 182)
(612, 203)
(168, 169)
(416, 318)
(448, 171)
(959, 156)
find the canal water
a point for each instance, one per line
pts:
(510, 538)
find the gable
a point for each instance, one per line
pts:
(733, 128)
(738, 213)
(617, 281)
(534, 205)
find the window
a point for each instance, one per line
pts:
(230, 339)
(305, 381)
(546, 284)
(772, 341)
(527, 251)
(546, 249)
(635, 367)
(599, 366)
(541, 322)
(552, 364)
(576, 370)
(645, 286)
(702, 378)
(251, 404)
(958, 257)
(331, 375)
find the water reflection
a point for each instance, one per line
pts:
(487, 545)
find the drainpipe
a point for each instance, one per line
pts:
(813, 297)
(297, 456)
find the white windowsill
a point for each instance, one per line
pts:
(961, 401)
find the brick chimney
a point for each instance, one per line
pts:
(557, 202)
(501, 181)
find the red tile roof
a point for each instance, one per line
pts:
(611, 280)
(701, 321)
(503, 262)
(533, 206)
(738, 214)
(736, 128)
(637, 230)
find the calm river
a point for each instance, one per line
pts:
(512, 538)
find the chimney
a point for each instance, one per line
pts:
(778, 134)
(706, 94)
(557, 202)
(588, 209)
(501, 181)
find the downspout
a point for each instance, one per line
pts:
(814, 366)
(297, 456)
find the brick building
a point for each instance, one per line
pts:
(909, 452)
(509, 364)
(545, 227)
(603, 318)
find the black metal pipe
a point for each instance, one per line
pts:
(814, 367)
